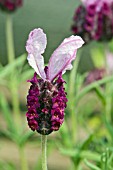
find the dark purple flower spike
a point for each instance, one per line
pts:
(93, 20)
(10, 5)
(46, 99)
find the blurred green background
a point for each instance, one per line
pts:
(55, 17)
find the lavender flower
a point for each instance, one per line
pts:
(10, 5)
(46, 99)
(93, 20)
(95, 75)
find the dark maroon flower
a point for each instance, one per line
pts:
(46, 102)
(10, 5)
(93, 20)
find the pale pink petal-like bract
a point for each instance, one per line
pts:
(62, 57)
(89, 2)
(35, 46)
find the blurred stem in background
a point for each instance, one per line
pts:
(72, 102)
(24, 165)
(9, 39)
(13, 78)
(13, 86)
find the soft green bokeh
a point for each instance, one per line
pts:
(54, 16)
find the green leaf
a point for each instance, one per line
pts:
(69, 152)
(86, 143)
(6, 111)
(38, 164)
(81, 154)
(107, 159)
(72, 77)
(98, 57)
(26, 75)
(10, 135)
(7, 166)
(90, 165)
(79, 81)
(109, 127)
(93, 85)
(100, 94)
(65, 135)
(9, 67)
(22, 139)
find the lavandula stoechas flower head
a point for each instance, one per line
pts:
(93, 20)
(10, 5)
(46, 98)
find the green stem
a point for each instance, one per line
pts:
(15, 101)
(9, 39)
(72, 91)
(73, 75)
(108, 105)
(44, 157)
(13, 84)
(23, 161)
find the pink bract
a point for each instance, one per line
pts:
(61, 58)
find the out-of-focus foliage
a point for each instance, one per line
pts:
(53, 16)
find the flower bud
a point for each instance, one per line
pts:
(10, 5)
